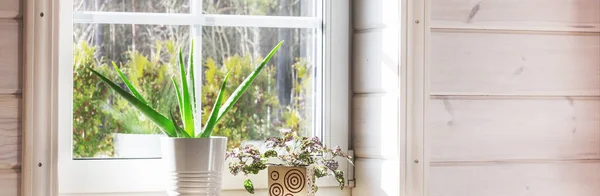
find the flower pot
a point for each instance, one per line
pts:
(290, 181)
(137, 145)
(194, 166)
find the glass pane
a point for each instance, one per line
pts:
(261, 7)
(282, 95)
(152, 6)
(104, 124)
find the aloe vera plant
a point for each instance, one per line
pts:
(186, 98)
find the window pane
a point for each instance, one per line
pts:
(153, 6)
(101, 118)
(106, 126)
(261, 7)
(281, 96)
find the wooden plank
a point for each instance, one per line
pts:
(528, 64)
(10, 56)
(514, 27)
(375, 126)
(10, 134)
(509, 129)
(369, 14)
(377, 177)
(547, 179)
(517, 14)
(9, 183)
(10, 9)
(376, 61)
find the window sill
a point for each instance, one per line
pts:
(324, 191)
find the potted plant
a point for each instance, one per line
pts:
(193, 158)
(293, 163)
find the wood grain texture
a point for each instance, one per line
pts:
(490, 130)
(547, 179)
(519, 14)
(10, 134)
(9, 182)
(375, 126)
(376, 61)
(377, 177)
(10, 57)
(530, 64)
(10, 9)
(369, 14)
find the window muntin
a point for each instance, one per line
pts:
(146, 53)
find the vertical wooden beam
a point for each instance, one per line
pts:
(39, 131)
(416, 93)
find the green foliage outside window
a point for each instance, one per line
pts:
(92, 128)
(98, 114)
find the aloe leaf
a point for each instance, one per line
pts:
(179, 98)
(188, 118)
(163, 122)
(235, 96)
(129, 85)
(192, 77)
(180, 132)
(212, 119)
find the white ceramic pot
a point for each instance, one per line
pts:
(194, 166)
(137, 145)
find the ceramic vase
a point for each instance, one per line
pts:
(290, 181)
(194, 166)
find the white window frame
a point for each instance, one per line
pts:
(48, 164)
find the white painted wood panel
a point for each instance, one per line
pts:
(10, 9)
(547, 179)
(517, 14)
(9, 182)
(377, 177)
(514, 129)
(10, 136)
(369, 14)
(509, 63)
(376, 61)
(10, 58)
(375, 126)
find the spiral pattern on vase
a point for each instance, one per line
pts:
(274, 175)
(294, 181)
(276, 190)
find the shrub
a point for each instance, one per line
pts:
(92, 127)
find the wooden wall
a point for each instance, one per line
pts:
(375, 113)
(10, 96)
(515, 97)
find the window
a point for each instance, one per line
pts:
(305, 86)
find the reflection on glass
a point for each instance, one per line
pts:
(150, 6)
(261, 7)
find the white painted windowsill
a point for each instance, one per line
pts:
(325, 191)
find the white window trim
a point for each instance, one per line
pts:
(46, 162)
